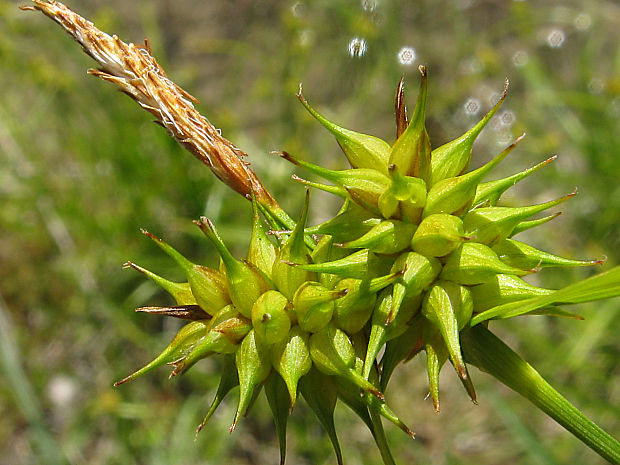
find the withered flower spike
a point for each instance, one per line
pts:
(184, 312)
(400, 108)
(136, 73)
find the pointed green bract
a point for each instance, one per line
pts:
(333, 354)
(325, 251)
(182, 343)
(436, 356)
(373, 403)
(389, 320)
(492, 224)
(490, 192)
(501, 289)
(276, 393)
(253, 366)
(411, 153)
(452, 194)
(521, 255)
(363, 264)
(362, 151)
(228, 381)
(291, 358)
(529, 224)
(320, 394)
(245, 283)
(351, 223)
(378, 330)
(453, 158)
(418, 272)
(330, 189)
(208, 286)
(364, 185)
(262, 252)
(387, 237)
(288, 278)
(475, 263)
(448, 307)
(180, 292)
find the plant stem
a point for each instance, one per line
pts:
(484, 350)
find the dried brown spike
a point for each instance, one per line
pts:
(136, 72)
(184, 312)
(400, 109)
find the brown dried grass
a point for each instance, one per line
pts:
(134, 70)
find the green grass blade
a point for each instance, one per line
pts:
(602, 286)
(26, 399)
(487, 352)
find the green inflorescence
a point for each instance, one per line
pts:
(419, 249)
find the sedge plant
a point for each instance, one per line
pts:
(420, 258)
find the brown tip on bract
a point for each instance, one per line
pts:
(27, 8)
(198, 430)
(505, 91)
(549, 160)
(400, 108)
(150, 235)
(568, 196)
(300, 92)
(123, 381)
(466, 380)
(600, 261)
(205, 225)
(127, 265)
(422, 70)
(287, 156)
(517, 140)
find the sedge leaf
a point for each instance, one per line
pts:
(602, 286)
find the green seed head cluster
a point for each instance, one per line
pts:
(419, 249)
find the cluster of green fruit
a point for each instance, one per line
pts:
(418, 249)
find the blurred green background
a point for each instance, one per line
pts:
(82, 168)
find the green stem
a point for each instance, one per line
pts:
(484, 350)
(379, 435)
